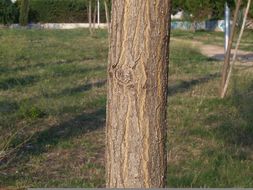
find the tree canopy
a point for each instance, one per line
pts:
(204, 9)
(8, 12)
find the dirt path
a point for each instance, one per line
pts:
(217, 52)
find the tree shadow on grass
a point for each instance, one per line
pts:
(79, 89)
(3, 69)
(85, 87)
(72, 70)
(8, 106)
(40, 65)
(236, 123)
(238, 129)
(244, 58)
(184, 86)
(12, 82)
(79, 125)
(227, 135)
(50, 137)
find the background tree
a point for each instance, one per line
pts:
(250, 11)
(24, 12)
(198, 10)
(94, 17)
(218, 7)
(107, 14)
(223, 94)
(90, 17)
(137, 93)
(226, 64)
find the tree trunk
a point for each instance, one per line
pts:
(230, 44)
(98, 12)
(236, 49)
(90, 18)
(137, 94)
(94, 17)
(193, 26)
(107, 15)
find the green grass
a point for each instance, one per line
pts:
(52, 114)
(215, 38)
(210, 140)
(52, 95)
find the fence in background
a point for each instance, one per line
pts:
(213, 25)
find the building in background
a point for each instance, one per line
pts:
(178, 16)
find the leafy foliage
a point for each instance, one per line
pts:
(59, 11)
(8, 12)
(197, 10)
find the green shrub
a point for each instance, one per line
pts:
(61, 11)
(8, 12)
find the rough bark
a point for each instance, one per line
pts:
(137, 94)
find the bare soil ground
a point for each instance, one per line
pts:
(244, 58)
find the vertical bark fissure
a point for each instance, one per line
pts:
(126, 147)
(146, 132)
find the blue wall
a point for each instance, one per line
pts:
(213, 25)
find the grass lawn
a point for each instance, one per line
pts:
(52, 114)
(215, 38)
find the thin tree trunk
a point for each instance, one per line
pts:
(98, 13)
(236, 49)
(230, 43)
(94, 17)
(137, 94)
(90, 17)
(193, 26)
(107, 15)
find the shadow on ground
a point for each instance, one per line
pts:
(42, 65)
(8, 106)
(79, 89)
(236, 124)
(51, 136)
(184, 86)
(244, 58)
(10, 83)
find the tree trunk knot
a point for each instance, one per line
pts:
(124, 76)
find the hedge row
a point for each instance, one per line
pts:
(53, 11)
(8, 12)
(50, 11)
(61, 11)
